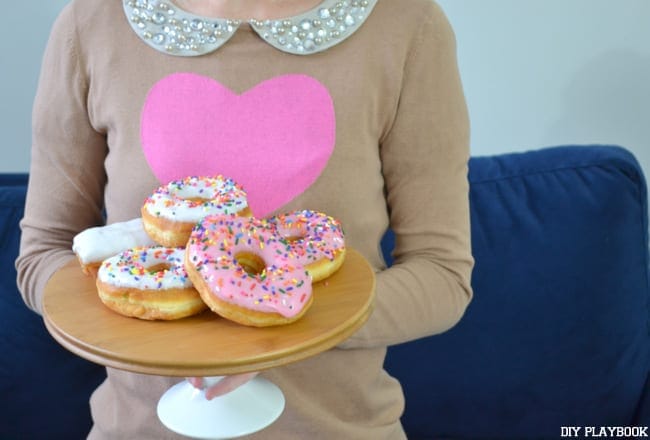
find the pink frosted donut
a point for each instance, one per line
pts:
(314, 239)
(244, 273)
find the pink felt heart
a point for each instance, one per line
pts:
(274, 139)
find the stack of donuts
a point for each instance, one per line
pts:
(197, 246)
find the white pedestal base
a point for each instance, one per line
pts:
(250, 408)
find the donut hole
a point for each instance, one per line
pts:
(197, 200)
(157, 268)
(252, 263)
(293, 238)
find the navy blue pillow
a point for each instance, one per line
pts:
(558, 331)
(45, 389)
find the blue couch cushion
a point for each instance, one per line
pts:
(558, 331)
(44, 388)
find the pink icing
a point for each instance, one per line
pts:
(314, 236)
(284, 286)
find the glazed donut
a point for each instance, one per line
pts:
(171, 212)
(240, 268)
(314, 239)
(148, 283)
(94, 245)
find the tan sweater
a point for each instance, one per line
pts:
(373, 131)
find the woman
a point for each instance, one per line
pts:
(353, 108)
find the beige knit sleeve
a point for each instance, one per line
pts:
(67, 177)
(424, 158)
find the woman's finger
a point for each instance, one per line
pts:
(228, 384)
(196, 382)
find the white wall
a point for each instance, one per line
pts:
(536, 73)
(23, 35)
(548, 72)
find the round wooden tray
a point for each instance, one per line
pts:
(205, 344)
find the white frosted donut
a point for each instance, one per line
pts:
(148, 283)
(240, 267)
(314, 239)
(94, 245)
(171, 212)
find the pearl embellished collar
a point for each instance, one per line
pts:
(170, 29)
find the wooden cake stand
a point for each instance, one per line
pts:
(207, 345)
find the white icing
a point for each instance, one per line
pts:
(129, 269)
(218, 195)
(94, 245)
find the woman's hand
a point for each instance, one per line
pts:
(224, 385)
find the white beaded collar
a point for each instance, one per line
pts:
(170, 29)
